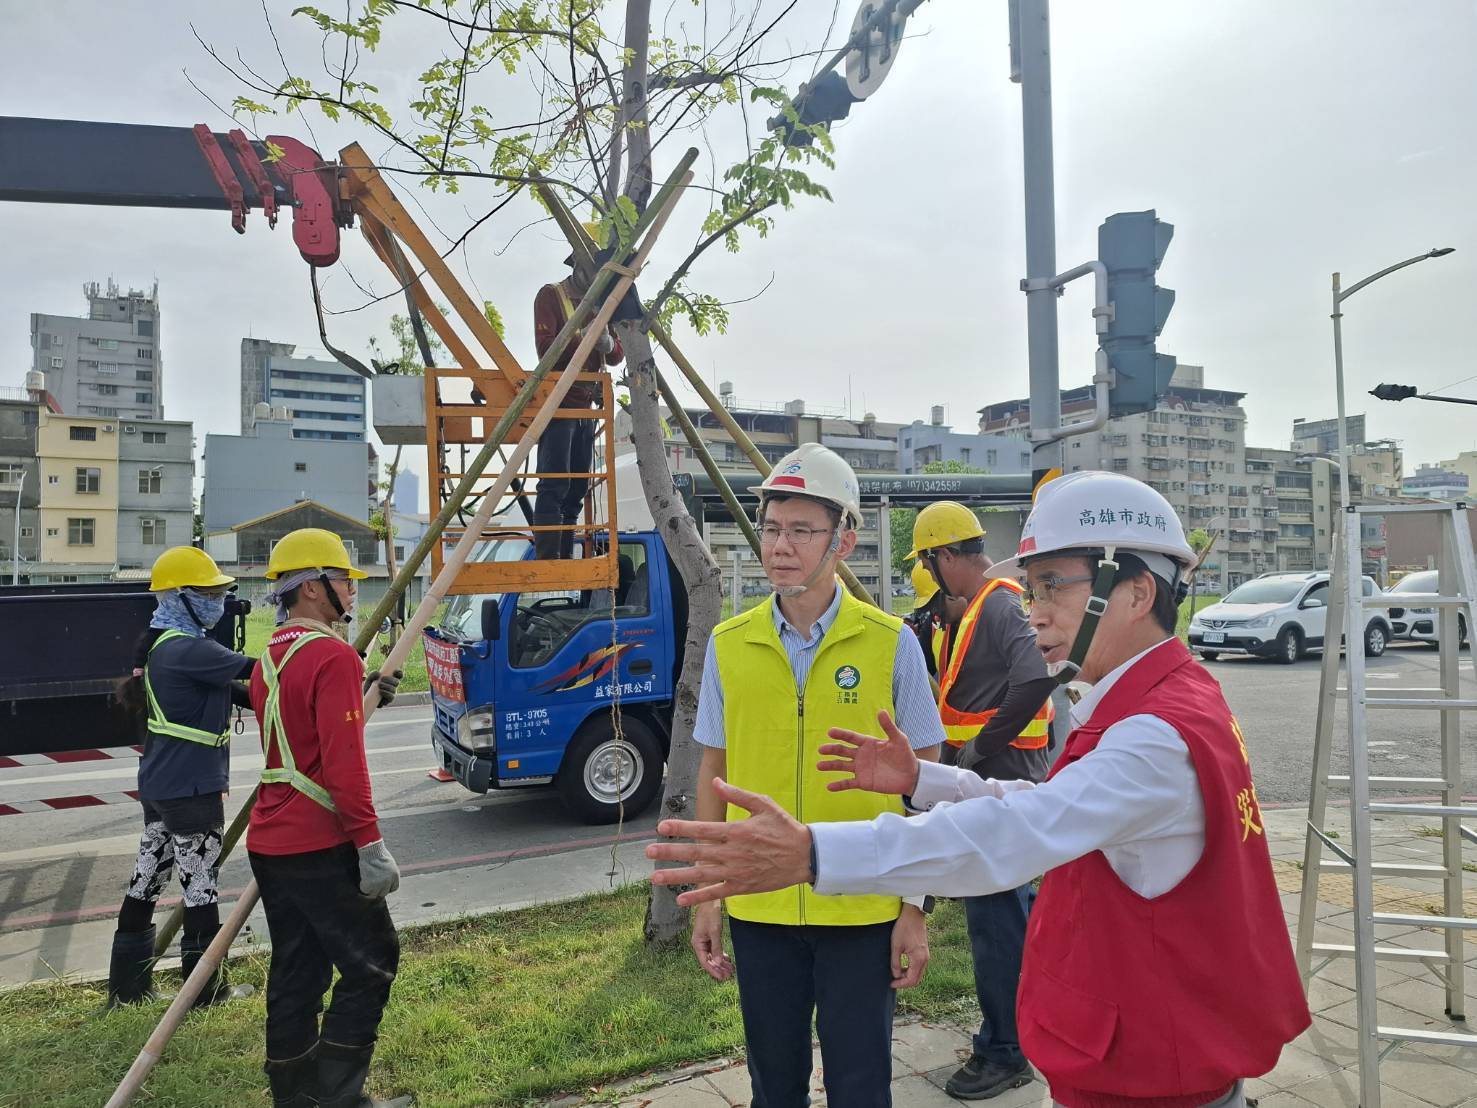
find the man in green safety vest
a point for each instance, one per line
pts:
(775, 678)
(314, 840)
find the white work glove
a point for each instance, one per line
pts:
(604, 344)
(389, 684)
(379, 876)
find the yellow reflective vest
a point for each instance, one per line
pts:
(775, 731)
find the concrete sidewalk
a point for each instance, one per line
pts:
(1319, 1068)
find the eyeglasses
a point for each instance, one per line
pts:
(1046, 592)
(770, 534)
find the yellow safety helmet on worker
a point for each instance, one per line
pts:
(1102, 517)
(310, 548)
(944, 523)
(186, 567)
(925, 588)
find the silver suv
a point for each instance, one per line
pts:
(1278, 615)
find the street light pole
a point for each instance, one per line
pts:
(1030, 39)
(1339, 296)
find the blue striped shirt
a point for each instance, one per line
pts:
(914, 708)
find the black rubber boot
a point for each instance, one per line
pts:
(292, 1080)
(131, 969)
(342, 1071)
(217, 990)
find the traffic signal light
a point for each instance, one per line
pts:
(1393, 392)
(1132, 245)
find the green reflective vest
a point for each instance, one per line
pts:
(159, 725)
(273, 733)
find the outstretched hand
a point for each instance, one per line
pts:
(887, 765)
(769, 850)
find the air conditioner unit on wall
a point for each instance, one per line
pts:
(129, 429)
(107, 428)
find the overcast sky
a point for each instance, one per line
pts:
(1283, 141)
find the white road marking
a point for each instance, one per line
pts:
(239, 764)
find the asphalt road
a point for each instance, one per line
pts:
(68, 866)
(71, 866)
(1277, 707)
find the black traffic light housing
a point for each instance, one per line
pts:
(1132, 245)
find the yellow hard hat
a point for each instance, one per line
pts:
(925, 588)
(186, 567)
(596, 231)
(310, 548)
(943, 524)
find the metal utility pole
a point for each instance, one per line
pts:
(1030, 66)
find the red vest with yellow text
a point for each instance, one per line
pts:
(1127, 1002)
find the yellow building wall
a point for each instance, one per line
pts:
(61, 456)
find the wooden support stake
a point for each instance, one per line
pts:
(663, 205)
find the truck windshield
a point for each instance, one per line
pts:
(463, 616)
(545, 621)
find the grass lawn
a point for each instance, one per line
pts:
(259, 625)
(490, 1011)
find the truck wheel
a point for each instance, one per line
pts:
(601, 772)
(1289, 646)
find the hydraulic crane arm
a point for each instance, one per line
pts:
(65, 161)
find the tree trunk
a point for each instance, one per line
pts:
(665, 921)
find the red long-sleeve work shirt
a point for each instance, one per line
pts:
(322, 709)
(548, 318)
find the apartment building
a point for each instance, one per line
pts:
(20, 481)
(78, 460)
(1191, 448)
(108, 362)
(156, 489)
(324, 399)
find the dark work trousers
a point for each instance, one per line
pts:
(844, 976)
(320, 921)
(997, 939)
(566, 446)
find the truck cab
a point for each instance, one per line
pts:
(572, 689)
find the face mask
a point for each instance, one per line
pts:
(208, 609)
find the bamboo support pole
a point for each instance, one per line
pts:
(184, 1000)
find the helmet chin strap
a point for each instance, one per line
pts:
(343, 616)
(1097, 605)
(790, 591)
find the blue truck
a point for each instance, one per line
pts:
(525, 685)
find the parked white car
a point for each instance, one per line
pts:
(1278, 615)
(1420, 624)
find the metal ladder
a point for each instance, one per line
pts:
(1348, 608)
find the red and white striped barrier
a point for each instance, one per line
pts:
(69, 757)
(63, 803)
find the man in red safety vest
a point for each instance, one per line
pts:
(995, 703)
(1159, 970)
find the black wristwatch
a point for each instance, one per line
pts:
(929, 903)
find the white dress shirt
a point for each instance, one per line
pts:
(1136, 797)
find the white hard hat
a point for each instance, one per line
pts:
(813, 472)
(1092, 510)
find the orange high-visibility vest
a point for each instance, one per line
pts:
(961, 727)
